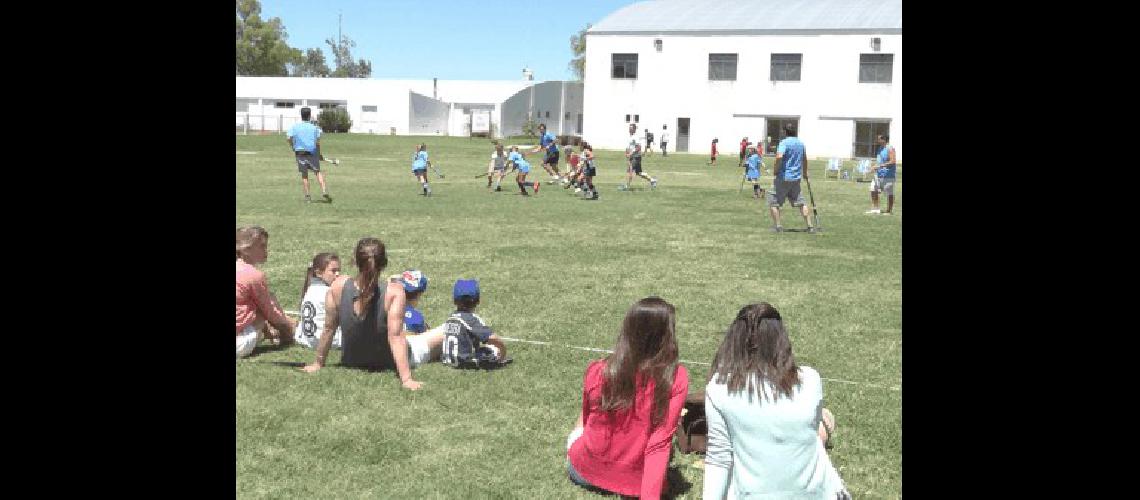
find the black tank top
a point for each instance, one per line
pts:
(364, 338)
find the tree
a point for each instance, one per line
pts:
(261, 48)
(342, 57)
(311, 63)
(578, 48)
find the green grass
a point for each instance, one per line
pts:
(558, 269)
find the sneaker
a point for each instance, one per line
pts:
(577, 190)
(873, 211)
(308, 199)
(777, 229)
(653, 183)
(427, 192)
(813, 230)
(327, 197)
(536, 185)
(498, 188)
(595, 196)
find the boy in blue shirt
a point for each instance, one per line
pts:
(420, 165)
(304, 139)
(423, 345)
(752, 172)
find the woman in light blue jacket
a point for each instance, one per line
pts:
(765, 416)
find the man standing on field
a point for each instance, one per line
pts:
(304, 139)
(791, 165)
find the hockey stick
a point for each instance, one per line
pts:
(813, 208)
(433, 169)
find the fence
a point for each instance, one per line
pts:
(264, 124)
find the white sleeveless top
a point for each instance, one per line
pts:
(312, 325)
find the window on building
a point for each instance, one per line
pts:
(329, 105)
(548, 114)
(283, 104)
(722, 66)
(624, 66)
(368, 109)
(636, 118)
(579, 123)
(865, 134)
(627, 118)
(875, 68)
(786, 67)
(775, 132)
(567, 115)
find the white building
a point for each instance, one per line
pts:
(733, 68)
(408, 107)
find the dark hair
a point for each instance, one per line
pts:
(541, 125)
(306, 113)
(248, 236)
(756, 351)
(370, 260)
(789, 130)
(410, 296)
(466, 303)
(885, 137)
(646, 350)
(320, 263)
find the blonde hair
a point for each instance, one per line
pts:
(248, 236)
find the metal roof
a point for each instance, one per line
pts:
(754, 17)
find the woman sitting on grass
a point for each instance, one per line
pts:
(767, 425)
(631, 401)
(371, 322)
(255, 304)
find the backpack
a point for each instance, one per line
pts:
(693, 431)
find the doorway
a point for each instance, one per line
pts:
(682, 135)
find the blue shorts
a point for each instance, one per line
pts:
(419, 171)
(752, 174)
(524, 169)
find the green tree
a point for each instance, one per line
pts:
(578, 48)
(342, 58)
(311, 63)
(261, 45)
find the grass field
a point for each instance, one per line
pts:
(559, 269)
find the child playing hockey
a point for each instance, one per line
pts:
(420, 164)
(752, 171)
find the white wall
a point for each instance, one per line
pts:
(554, 98)
(674, 83)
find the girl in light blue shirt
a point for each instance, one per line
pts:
(765, 417)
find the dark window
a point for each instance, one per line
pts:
(722, 66)
(624, 66)
(281, 104)
(627, 118)
(875, 68)
(636, 118)
(329, 105)
(775, 132)
(548, 114)
(865, 135)
(786, 67)
(567, 115)
(368, 109)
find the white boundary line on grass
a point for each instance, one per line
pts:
(608, 351)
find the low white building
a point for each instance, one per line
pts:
(728, 69)
(408, 107)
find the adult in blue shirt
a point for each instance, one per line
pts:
(518, 162)
(420, 164)
(791, 166)
(884, 176)
(547, 141)
(305, 140)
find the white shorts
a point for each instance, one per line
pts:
(418, 350)
(247, 340)
(883, 185)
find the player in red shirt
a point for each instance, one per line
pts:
(712, 159)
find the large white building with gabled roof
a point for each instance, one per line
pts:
(728, 69)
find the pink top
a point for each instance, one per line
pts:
(619, 451)
(253, 299)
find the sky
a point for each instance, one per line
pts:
(446, 39)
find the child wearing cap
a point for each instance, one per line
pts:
(469, 342)
(423, 345)
(752, 172)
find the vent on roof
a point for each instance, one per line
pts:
(876, 43)
(657, 44)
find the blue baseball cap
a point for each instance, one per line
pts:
(414, 281)
(469, 288)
